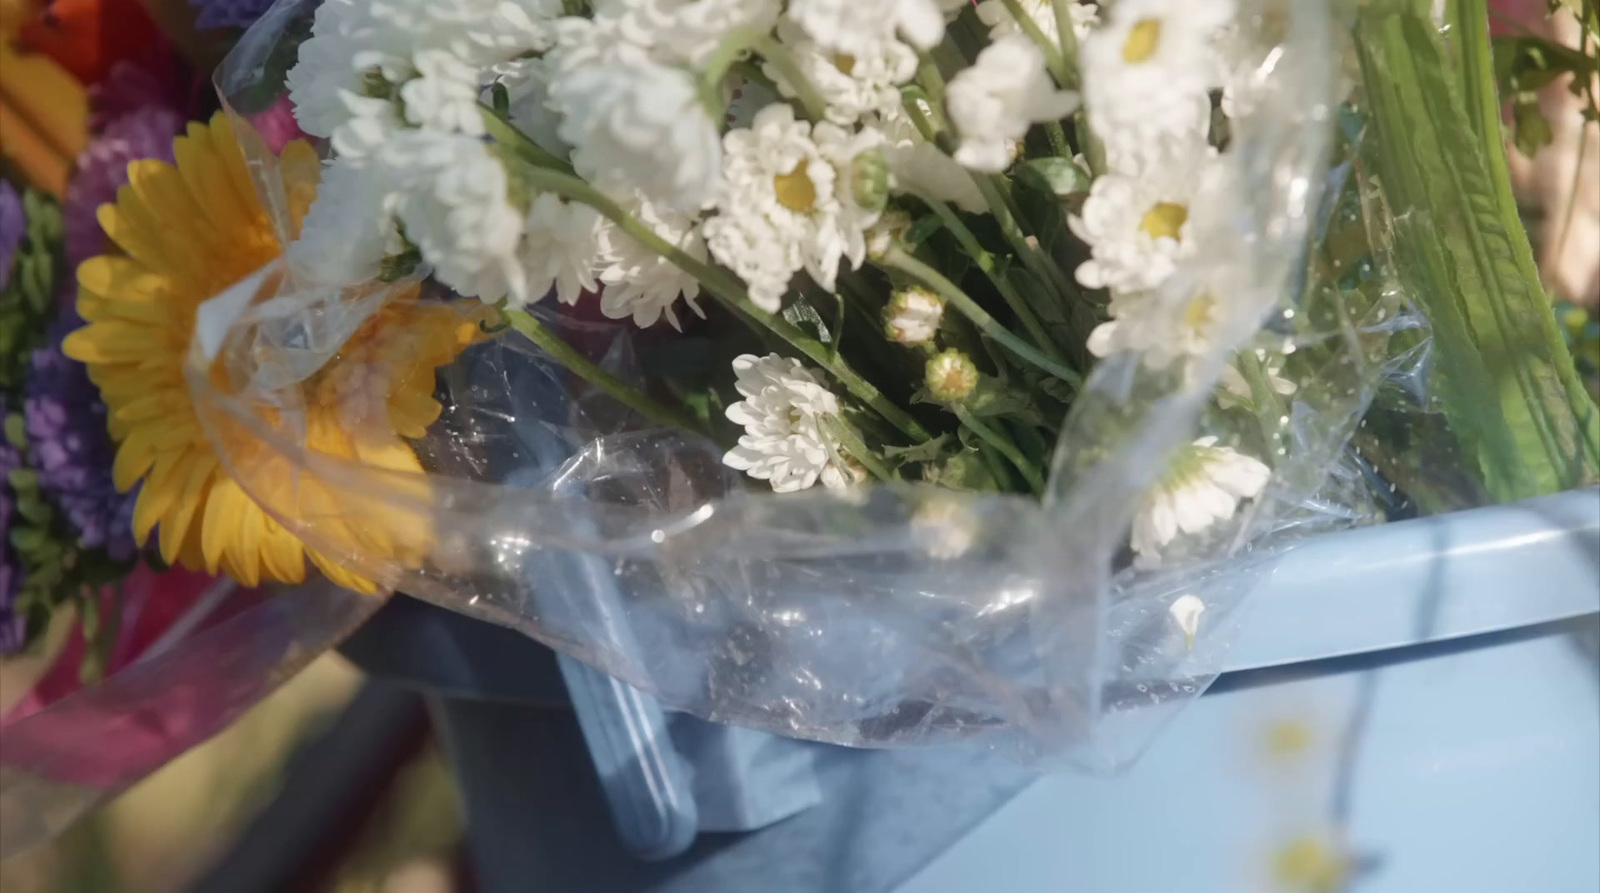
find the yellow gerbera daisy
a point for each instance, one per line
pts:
(189, 231)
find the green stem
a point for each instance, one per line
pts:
(896, 259)
(502, 132)
(1269, 409)
(1005, 214)
(1051, 52)
(1068, 38)
(723, 286)
(563, 353)
(986, 263)
(1058, 139)
(748, 39)
(1005, 447)
(846, 437)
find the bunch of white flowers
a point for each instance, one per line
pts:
(769, 154)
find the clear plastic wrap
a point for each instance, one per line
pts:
(878, 616)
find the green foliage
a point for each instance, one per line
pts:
(28, 303)
(1507, 381)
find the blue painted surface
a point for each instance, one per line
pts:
(1473, 773)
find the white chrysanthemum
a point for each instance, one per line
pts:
(350, 228)
(686, 32)
(1148, 70)
(783, 412)
(994, 101)
(858, 27)
(642, 284)
(785, 183)
(916, 165)
(1235, 388)
(561, 247)
(444, 94)
(640, 126)
(853, 86)
(361, 56)
(1137, 225)
(455, 209)
(1203, 485)
(1043, 13)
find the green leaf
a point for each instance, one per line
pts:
(1506, 378)
(927, 451)
(992, 399)
(1055, 176)
(919, 231)
(1531, 129)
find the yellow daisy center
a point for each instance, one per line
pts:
(1198, 314)
(1144, 38)
(845, 62)
(1165, 220)
(795, 190)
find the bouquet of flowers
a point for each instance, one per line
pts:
(833, 368)
(883, 373)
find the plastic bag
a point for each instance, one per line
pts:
(879, 616)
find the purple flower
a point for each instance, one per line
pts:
(103, 169)
(69, 446)
(11, 626)
(229, 13)
(12, 224)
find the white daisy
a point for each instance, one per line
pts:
(561, 247)
(641, 126)
(455, 209)
(1148, 70)
(783, 412)
(444, 94)
(642, 284)
(994, 101)
(853, 86)
(1137, 225)
(786, 184)
(993, 13)
(916, 165)
(858, 27)
(1204, 484)
(1160, 328)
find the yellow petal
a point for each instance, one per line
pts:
(175, 526)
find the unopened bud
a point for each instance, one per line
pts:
(888, 232)
(869, 179)
(912, 316)
(950, 376)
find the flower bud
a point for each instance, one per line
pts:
(869, 179)
(951, 376)
(888, 232)
(912, 316)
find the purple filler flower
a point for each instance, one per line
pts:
(11, 626)
(229, 13)
(71, 449)
(103, 169)
(12, 223)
